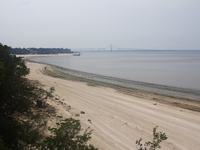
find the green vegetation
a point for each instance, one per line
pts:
(20, 128)
(158, 137)
(39, 50)
(67, 136)
(20, 51)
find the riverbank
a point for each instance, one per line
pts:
(119, 116)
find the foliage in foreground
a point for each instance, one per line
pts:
(68, 137)
(16, 99)
(158, 137)
(19, 127)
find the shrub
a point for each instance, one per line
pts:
(68, 137)
(158, 137)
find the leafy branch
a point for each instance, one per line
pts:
(158, 137)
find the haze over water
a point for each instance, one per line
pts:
(172, 68)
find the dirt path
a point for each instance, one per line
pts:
(118, 119)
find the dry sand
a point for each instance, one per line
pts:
(118, 119)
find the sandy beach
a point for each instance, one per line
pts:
(119, 119)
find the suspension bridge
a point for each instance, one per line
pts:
(109, 48)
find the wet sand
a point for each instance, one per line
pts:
(170, 91)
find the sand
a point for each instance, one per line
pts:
(119, 119)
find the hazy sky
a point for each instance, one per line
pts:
(142, 24)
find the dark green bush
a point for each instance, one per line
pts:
(68, 137)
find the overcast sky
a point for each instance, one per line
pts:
(138, 24)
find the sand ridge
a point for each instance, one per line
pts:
(118, 119)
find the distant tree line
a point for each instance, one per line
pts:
(39, 50)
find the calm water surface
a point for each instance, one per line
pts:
(173, 68)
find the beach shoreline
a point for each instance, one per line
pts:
(174, 96)
(174, 92)
(171, 91)
(176, 99)
(117, 117)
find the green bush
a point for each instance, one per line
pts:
(19, 128)
(158, 137)
(68, 137)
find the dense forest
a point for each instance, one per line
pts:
(39, 50)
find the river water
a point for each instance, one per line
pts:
(171, 68)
